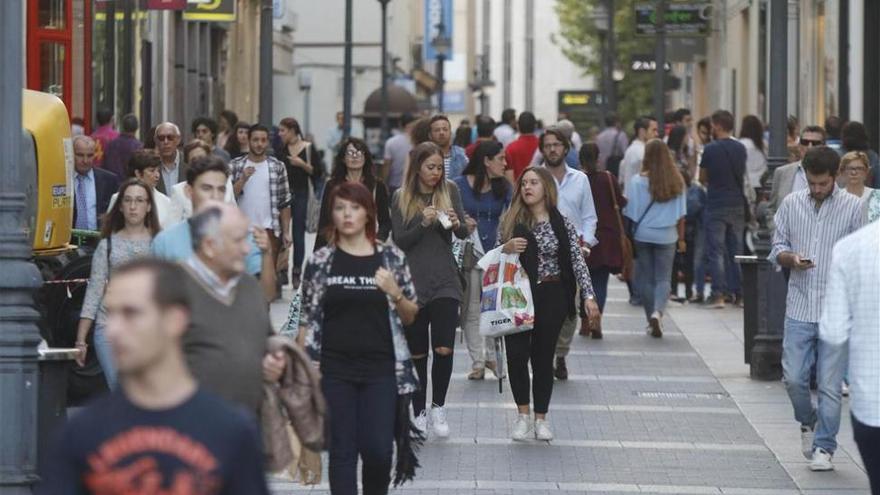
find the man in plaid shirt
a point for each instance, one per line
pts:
(260, 185)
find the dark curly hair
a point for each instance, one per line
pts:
(340, 170)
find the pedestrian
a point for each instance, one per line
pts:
(173, 166)
(833, 130)
(144, 165)
(119, 150)
(454, 158)
(207, 180)
(695, 242)
(547, 243)
(505, 133)
(485, 129)
(574, 200)
(104, 134)
(226, 127)
(126, 235)
(358, 295)
(159, 430)
(854, 167)
(722, 171)
(684, 118)
(677, 141)
(657, 207)
(520, 151)
(704, 137)
(485, 195)
(192, 151)
(397, 150)
(354, 163)
(855, 138)
(425, 213)
(791, 177)
(237, 142)
(336, 133)
(808, 224)
(568, 130)
(77, 127)
(263, 191)
(612, 142)
(607, 256)
(645, 130)
(205, 129)
(751, 135)
(848, 333)
(462, 135)
(225, 345)
(92, 188)
(302, 163)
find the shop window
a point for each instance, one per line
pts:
(52, 58)
(52, 14)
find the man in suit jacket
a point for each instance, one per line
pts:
(173, 166)
(92, 187)
(791, 177)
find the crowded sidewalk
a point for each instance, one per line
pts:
(637, 415)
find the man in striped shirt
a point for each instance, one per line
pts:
(808, 224)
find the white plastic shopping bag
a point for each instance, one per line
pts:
(506, 306)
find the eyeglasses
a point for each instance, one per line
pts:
(134, 201)
(354, 153)
(811, 142)
(856, 168)
(166, 137)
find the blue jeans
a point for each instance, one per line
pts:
(105, 355)
(599, 277)
(799, 345)
(653, 274)
(724, 230)
(361, 416)
(299, 211)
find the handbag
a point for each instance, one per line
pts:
(313, 210)
(626, 247)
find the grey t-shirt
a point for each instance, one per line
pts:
(397, 150)
(429, 250)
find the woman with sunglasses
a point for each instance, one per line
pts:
(126, 234)
(354, 163)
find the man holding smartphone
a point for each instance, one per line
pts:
(808, 224)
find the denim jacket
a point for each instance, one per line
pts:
(314, 284)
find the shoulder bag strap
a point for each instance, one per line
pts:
(614, 200)
(639, 222)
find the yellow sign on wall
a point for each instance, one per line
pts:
(210, 10)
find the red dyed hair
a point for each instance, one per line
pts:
(356, 193)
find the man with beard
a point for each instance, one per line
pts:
(575, 202)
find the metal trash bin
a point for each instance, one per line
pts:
(52, 401)
(764, 294)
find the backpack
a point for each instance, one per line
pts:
(612, 164)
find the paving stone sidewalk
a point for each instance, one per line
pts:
(639, 415)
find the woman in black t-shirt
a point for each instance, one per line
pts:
(354, 163)
(357, 295)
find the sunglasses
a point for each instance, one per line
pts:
(354, 153)
(166, 137)
(811, 142)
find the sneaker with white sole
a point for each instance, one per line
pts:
(542, 430)
(438, 421)
(522, 427)
(807, 436)
(821, 461)
(421, 422)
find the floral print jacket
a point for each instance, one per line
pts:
(311, 318)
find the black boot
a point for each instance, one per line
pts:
(561, 371)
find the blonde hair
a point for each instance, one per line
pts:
(519, 213)
(409, 201)
(664, 180)
(855, 156)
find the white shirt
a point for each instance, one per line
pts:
(255, 201)
(800, 179)
(505, 134)
(183, 203)
(852, 315)
(756, 161)
(576, 203)
(172, 176)
(166, 210)
(632, 161)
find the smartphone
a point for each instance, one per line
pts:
(806, 261)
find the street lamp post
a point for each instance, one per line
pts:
(265, 117)
(611, 90)
(18, 318)
(441, 44)
(601, 18)
(385, 130)
(660, 59)
(347, 74)
(305, 85)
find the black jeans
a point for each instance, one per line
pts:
(539, 346)
(868, 440)
(361, 422)
(440, 316)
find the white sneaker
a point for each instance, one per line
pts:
(438, 421)
(844, 389)
(421, 422)
(821, 461)
(522, 427)
(807, 436)
(542, 430)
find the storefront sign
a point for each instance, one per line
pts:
(437, 12)
(682, 19)
(582, 107)
(646, 63)
(210, 10)
(166, 4)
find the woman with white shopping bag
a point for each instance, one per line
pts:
(485, 194)
(547, 244)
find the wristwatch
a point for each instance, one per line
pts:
(398, 298)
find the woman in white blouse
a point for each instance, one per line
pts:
(751, 135)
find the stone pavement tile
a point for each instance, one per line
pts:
(846, 475)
